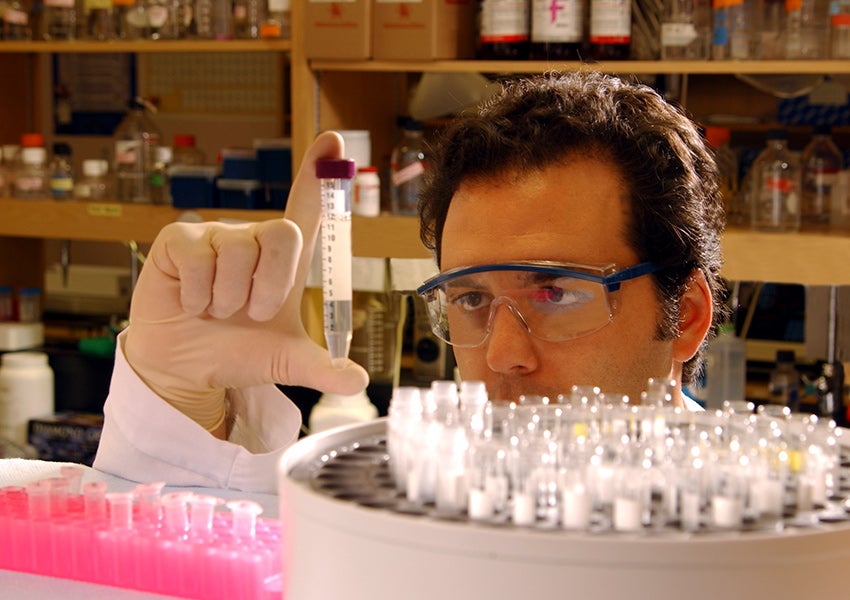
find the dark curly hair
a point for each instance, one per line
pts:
(676, 216)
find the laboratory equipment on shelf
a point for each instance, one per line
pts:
(336, 177)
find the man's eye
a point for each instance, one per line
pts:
(468, 300)
(558, 297)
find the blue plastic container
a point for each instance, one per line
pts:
(193, 186)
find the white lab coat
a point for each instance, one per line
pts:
(146, 439)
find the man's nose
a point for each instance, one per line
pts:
(509, 344)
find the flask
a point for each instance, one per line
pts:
(277, 23)
(503, 29)
(95, 184)
(16, 22)
(610, 29)
(775, 186)
(100, 20)
(784, 384)
(334, 410)
(367, 192)
(59, 20)
(31, 175)
(557, 30)
(685, 30)
(839, 29)
(408, 163)
(26, 392)
(135, 142)
(806, 29)
(185, 152)
(821, 161)
(725, 367)
(727, 164)
(61, 173)
(248, 17)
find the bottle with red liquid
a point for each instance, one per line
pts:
(504, 29)
(610, 29)
(557, 30)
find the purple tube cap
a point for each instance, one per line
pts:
(335, 168)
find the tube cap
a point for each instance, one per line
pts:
(335, 168)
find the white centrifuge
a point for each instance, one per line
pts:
(349, 535)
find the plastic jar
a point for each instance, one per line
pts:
(334, 410)
(26, 392)
(367, 192)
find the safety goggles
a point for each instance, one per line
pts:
(555, 302)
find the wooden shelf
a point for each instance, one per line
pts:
(637, 67)
(806, 258)
(385, 236)
(143, 46)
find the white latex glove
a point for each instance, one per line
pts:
(218, 306)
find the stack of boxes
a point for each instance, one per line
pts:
(247, 178)
(394, 30)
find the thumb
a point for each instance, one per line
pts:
(309, 365)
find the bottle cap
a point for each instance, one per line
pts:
(717, 136)
(367, 169)
(821, 129)
(184, 140)
(777, 134)
(61, 149)
(32, 140)
(335, 168)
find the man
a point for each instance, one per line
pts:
(576, 223)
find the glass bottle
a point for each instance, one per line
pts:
(100, 21)
(131, 19)
(504, 29)
(775, 186)
(16, 22)
(61, 173)
(735, 34)
(8, 165)
(59, 20)
(278, 22)
(135, 141)
(95, 184)
(806, 29)
(839, 29)
(31, 175)
(772, 29)
(161, 19)
(557, 30)
(727, 163)
(408, 164)
(610, 29)
(784, 382)
(821, 161)
(248, 17)
(685, 30)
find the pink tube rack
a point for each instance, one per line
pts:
(176, 544)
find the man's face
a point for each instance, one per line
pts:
(576, 213)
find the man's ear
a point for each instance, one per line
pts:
(695, 316)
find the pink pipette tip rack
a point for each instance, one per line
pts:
(179, 543)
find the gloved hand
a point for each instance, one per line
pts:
(218, 306)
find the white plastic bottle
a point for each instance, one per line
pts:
(95, 184)
(367, 192)
(725, 367)
(334, 410)
(26, 392)
(31, 176)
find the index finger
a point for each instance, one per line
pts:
(304, 206)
